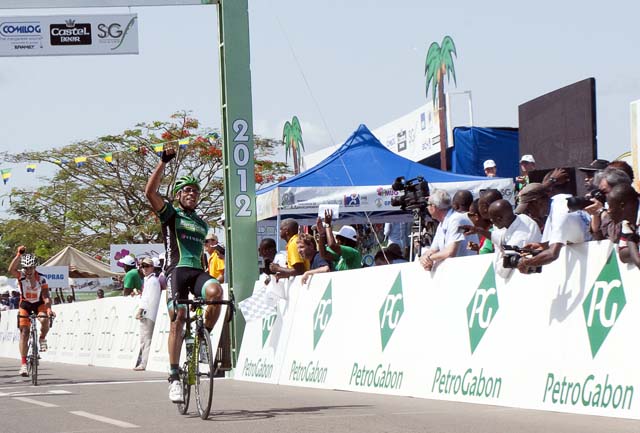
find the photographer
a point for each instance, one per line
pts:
(449, 240)
(511, 230)
(623, 210)
(561, 227)
(601, 226)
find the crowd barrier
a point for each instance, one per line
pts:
(562, 340)
(103, 333)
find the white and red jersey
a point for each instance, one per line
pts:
(32, 292)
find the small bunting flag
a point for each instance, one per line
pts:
(31, 168)
(108, 158)
(80, 161)
(183, 143)
(158, 148)
(6, 174)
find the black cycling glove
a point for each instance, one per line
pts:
(166, 157)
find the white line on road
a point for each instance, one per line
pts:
(104, 419)
(39, 403)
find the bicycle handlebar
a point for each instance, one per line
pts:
(200, 301)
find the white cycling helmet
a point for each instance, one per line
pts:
(28, 260)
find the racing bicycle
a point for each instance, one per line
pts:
(200, 366)
(33, 351)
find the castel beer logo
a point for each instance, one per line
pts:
(391, 311)
(322, 315)
(604, 303)
(70, 33)
(482, 308)
(267, 327)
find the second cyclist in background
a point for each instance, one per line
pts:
(34, 298)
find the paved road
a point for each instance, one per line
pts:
(78, 399)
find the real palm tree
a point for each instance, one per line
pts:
(292, 138)
(438, 63)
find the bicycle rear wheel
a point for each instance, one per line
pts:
(204, 374)
(34, 359)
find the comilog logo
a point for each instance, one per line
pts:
(267, 326)
(18, 29)
(482, 308)
(322, 315)
(604, 303)
(391, 311)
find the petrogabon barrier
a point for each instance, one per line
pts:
(562, 340)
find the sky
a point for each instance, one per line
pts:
(335, 64)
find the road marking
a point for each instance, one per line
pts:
(39, 403)
(59, 391)
(32, 394)
(104, 419)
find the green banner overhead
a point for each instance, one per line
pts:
(48, 4)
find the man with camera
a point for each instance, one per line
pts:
(561, 227)
(623, 210)
(602, 226)
(450, 239)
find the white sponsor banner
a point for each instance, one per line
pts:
(139, 251)
(264, 341)
(560, 340)
(57, 276)
(415, 136)
(48, 4)
(103, 332)
(350, 199)
(61, 35)
(635, 138)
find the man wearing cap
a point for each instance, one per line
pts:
(147, 311)
(450, 239)
(561, 226)
(339, 247)
(590, 171)
(215, 262)
(132, 281)
(490, 168)
(527, 165)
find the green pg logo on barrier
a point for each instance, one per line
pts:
(267, 326)
(322, 315)
(604, 303)
(391, 311)
(482, 308)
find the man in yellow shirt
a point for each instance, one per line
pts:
(216, 257)
(296, 265)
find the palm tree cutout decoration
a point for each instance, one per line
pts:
(438, 63)
(292, 138)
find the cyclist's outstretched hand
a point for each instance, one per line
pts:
(168, 155)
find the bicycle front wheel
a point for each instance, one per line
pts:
(204, 374)
(34, 360)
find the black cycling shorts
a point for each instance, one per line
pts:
(187, 280)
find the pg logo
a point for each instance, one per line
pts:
(391, 311)
(482, 308)
(267, 326)
(604, 303)
(322, 315)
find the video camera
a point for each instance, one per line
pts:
(578, 203)
(416, 193)
(510, 261)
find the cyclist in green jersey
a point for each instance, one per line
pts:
(184, 233)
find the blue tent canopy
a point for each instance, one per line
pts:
(363, 160)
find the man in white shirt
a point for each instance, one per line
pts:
(512, 230)
(449, 240)
(147, 311)
(561, 227)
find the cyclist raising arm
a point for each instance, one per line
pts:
(34, 297)
(184, 233)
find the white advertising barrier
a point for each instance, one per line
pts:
(561, 340)
(103, 332)
(263, 344)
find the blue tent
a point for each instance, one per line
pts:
(358, 177)
(363, 160)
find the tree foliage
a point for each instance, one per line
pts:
(100, 203)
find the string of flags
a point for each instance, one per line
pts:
(80, 161)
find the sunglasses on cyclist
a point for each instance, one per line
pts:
(190, 190)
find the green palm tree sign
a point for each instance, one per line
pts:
(292, 138)
(439, 63)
